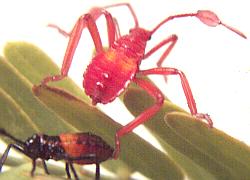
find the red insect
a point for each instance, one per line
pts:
(111, 71)
(78, 148)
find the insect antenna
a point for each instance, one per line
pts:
(4, 133)
(172, 18)
(234, 30)
(207, 17)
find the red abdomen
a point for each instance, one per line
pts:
(84, 144)
(107, 75)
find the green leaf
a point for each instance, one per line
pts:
(225, 153)
(60, 112)
(35, 65)
(196, 163)
(37, 115)
(12, 116)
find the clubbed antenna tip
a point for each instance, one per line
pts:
(211, 19)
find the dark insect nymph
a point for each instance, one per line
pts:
(78, 148)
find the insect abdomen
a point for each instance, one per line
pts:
(108, 75)
(84, 144)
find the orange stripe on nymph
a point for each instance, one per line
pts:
(123, 63)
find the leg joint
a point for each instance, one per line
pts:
(174, 37)
(159, 97)
(86, 17)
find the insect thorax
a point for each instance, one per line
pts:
(44, 147)
(110, 72)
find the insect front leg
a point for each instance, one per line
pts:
(130, 9)
(117, 28)
(6, 152)
(33, 167)
(112, 24)
(144, 116)
(185, 86)
(87, 20)
(95, 12)
(60, 30)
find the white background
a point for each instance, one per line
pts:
(215, 60)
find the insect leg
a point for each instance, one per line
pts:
(73, 170)
(85, 20)
(172, 41)
(117, 28)
(5, 154)
(185, 86)
(90, 157)
(67, 170)
(60, 30)
(144, 116)
(97, 171)
(96, 12)
(33, 167)
(45, 167)
(130, 9)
